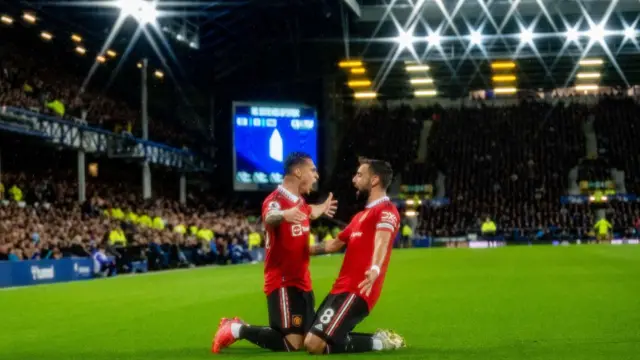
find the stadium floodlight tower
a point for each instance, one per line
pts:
(145, 13)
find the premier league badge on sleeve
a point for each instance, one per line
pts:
(274, 205)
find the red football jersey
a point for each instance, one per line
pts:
(359, 235)
(287, 245)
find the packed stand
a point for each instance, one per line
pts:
(40, 77)
(381, 133)
(509, 163)
(617, 124)
(40, 217)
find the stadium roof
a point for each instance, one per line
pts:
(245, 43)
(212, 41)
(458, 40)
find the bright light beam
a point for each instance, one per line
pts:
(526, 36)
(434, 39)
(476, 37)
(105, 46)
(597, 33)
(572, 34)
(144, 12)
(405, 40)
(630, 33)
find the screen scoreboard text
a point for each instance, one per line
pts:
(263, 136)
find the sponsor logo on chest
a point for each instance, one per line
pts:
(299, 230)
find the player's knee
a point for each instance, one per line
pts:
(295, 341)
(314, 344)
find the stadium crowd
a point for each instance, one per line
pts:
(48, 84)
(40, 216)
(508, 163)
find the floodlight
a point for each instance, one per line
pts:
(45, 35)
(365, 95)
(588, 75)
(434, 39)
(359, 83)
(501, 65)
(416, 81)
(630, 33)
(588, 87)
(80, 50)
(6, 19)
(417, 68)
(101, 59)
(424, 93)
(526, 36)
(572, 34)
(405, 39)
(505, 90)
(476, 37)
(504, 78)
(591, 62)
(143, 11)
(597, 33)
(159, 74)
(29, 17)
(350, 64)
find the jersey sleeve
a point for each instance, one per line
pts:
(270, 205)
(345, 234)
(387, 220)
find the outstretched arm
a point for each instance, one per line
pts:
(328, 207)
(294, 215)
(326, 247)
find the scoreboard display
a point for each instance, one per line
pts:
(263, 136)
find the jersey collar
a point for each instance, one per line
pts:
(377, 202)
(288, 194)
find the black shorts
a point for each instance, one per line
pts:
(338, 315)
(291, 310)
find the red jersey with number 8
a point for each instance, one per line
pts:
(359, 235)
(286, 244)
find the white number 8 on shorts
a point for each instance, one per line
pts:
(327, 316)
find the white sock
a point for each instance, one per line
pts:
(235, 330)
(377, 345)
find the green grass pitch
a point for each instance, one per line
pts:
(579, 302)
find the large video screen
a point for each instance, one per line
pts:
(263, 136)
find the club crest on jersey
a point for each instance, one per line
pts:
(274, 205)
(297, 320)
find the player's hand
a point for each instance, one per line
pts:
(367, 284)
(330, 206)
(294, 215)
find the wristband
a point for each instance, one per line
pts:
(375, 268)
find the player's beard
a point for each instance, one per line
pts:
(363, 194)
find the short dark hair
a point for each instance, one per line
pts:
(294, 160)
(380, 168)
